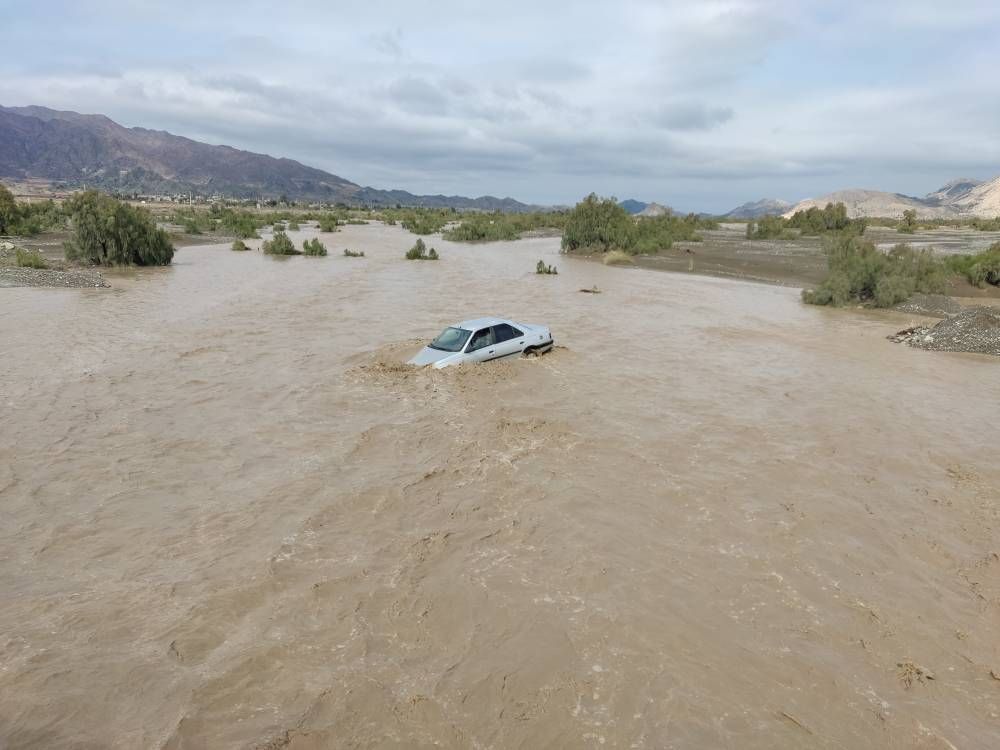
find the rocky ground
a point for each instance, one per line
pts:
(931, 305)
(58, 274)
(975, 330)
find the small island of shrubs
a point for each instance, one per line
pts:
(419, 252)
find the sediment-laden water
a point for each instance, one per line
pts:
(714, 517)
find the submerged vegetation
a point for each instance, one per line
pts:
(541, 268)
(240, 246)
(495, 227)
(354, 254)
(419, 252)
(108, 232)
(859, 273)
(314, 248)
(279, 244)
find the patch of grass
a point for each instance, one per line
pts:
(618, 258)
(293, 226)
(541, 268)
(419, 252)
(279, 245)
(354, 254)
(30, 259)
(860, 273)
(240, 246)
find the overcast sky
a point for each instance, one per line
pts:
(702, 105)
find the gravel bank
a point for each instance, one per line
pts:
(58, 275)
(975, 330)
(48, 277)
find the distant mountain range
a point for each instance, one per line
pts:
(73, 150)
(963, 197)
(756, 209)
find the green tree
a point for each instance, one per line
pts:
(8, 210)
(909, 223)
(107, 232)
(597, 225)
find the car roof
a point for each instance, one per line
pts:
(476, 323)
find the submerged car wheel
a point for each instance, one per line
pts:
(531, 352)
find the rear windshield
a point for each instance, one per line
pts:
(451, 340)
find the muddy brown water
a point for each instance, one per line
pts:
(713, 518)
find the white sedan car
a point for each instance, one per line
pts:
(483, 339)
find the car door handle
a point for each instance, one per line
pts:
(492, 350)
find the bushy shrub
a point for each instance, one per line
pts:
(541, 268)
(30, 259)
(354, 254)
(314, 247)
(327, 223)
(28, 219)
(240, 246)
(860, 273)
(982, 268)
(597, 225)
(279, 244)
(8, 210)
(293, 226)
(108, 232)
(419, 252)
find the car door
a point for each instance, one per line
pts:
(481, 346)
(508, 340)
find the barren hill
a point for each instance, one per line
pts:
(957, 198)
(93, 150)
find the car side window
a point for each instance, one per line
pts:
(502, 332)
(505, 332)
(481, 338)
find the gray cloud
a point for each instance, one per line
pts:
(692, 116)
(694, 104)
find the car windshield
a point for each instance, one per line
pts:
(451, 340)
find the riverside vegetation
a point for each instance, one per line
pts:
(601, 225)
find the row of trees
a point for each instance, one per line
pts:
(810, 222)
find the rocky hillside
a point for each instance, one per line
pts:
(74, 150)
(958, 198)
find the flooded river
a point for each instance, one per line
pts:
(712, 518)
